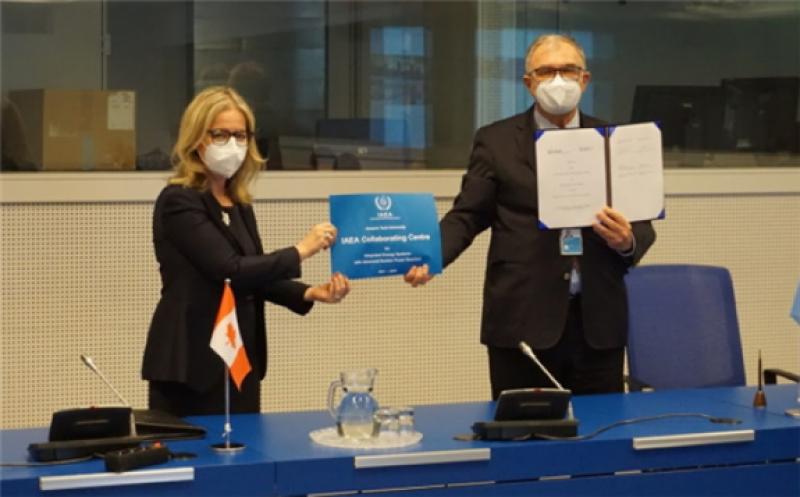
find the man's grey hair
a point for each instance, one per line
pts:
(552, 39)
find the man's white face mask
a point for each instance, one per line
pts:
(558, 96)
(226, 159)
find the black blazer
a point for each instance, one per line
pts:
(196, 251)
(526, 287)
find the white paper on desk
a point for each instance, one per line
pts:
(636, 171)
(571, 177)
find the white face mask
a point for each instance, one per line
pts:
(558, 96)
(226, 159)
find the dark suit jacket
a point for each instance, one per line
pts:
(196, 251)
(526, 287)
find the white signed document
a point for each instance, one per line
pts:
(575, 180)
(636, 167)
(571, 176)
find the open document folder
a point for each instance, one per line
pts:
(580, 170)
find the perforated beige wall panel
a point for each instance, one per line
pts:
(77, 278)
(81, 278)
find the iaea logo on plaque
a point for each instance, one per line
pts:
(383, 202)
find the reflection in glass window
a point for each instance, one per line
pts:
(397, 85)
(273, 54)
(700, 69)
(101, 85)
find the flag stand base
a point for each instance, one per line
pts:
(228, 447)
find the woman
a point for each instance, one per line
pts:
(204, 231)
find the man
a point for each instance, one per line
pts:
(568, 303)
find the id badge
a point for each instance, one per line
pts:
(571, 242)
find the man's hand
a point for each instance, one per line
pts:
(417, 275)
(331, 292)
(614, 229)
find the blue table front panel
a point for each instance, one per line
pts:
(774, 480)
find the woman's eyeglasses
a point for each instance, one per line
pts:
(223, 136)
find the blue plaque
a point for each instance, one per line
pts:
(384, 234)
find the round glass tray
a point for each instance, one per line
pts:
(330, 437)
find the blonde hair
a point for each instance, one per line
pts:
(553, 39)
(195, 123)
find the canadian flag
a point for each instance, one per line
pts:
(226, 340)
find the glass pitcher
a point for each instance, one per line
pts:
(354, 415)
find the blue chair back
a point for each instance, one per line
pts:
(683, 331)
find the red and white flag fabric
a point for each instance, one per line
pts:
(226, 340)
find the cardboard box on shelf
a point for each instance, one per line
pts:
(78, 130)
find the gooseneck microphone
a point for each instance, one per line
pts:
(526, 349)
(90, 364)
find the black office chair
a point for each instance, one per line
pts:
(346, 161)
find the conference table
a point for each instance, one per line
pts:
(678, 455)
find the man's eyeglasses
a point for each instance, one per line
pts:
(544, 73)
(223, 136)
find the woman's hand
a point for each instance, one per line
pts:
(320, 237)
(331, 292)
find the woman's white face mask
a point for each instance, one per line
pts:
(558, 96)
(226, 159)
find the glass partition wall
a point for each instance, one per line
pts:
(91, 85)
